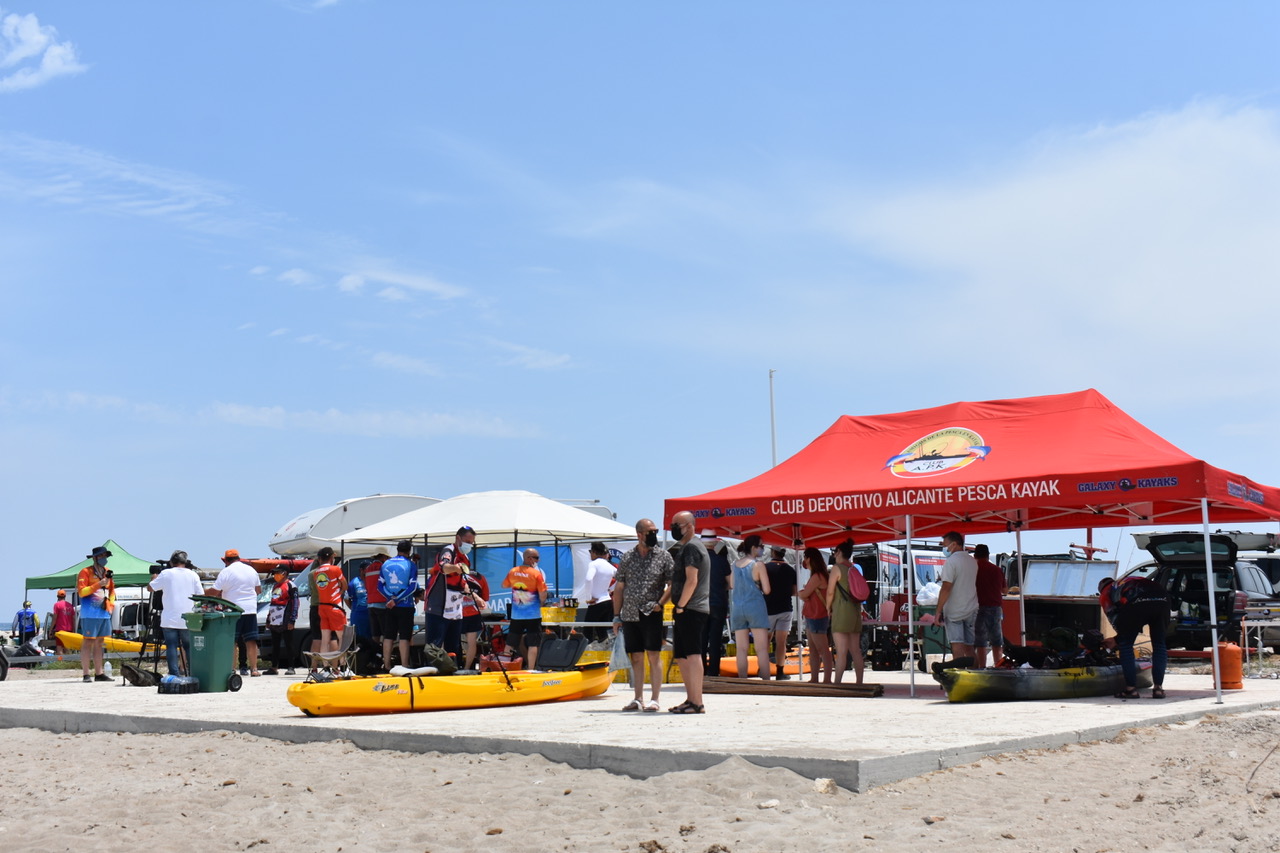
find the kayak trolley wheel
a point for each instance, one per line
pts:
(234, 682)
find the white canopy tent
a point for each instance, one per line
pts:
(498, 518)
(309, 532)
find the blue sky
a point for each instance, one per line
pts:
(257, 257)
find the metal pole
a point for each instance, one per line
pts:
(1022, 590)
(1213, 602)
(773, 425)
(911, 611)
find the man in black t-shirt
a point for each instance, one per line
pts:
(778, 602)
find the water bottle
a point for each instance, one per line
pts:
(106, 667)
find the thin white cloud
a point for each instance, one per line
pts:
(529, 357)
(275, 333)
(404, 363)
(393, 294)
(259, 270)
(1126, 253)
(351, 283)
(362, 422)
(368, 423)
(296, 277)
(63, 174)
(34, 54)
(379, 273)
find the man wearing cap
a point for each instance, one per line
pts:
(26, 624)
(64, 618)
(282, 613)
(397, 582)
(239, 583)
(97, 591)
(177, 583)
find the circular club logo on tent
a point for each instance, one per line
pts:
(938, 453)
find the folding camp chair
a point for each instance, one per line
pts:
(341, 660)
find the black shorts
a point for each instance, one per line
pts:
(380, 623)
(686, 636)
(530, 630)
(397, 623)
(472, 624)
(645, 635)
(247, 627)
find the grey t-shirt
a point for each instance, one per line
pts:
(693, 554)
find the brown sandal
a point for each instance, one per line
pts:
(1129, 693)
(1157, 693)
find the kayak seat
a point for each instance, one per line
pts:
(559, 655)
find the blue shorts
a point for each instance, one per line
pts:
(818, 626)
(95, 626)
(961, 630)
(750, 616)
(247, 627)
(986, 632)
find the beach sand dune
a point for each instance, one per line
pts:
(1213, 786)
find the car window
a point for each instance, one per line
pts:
(1182, 548)
(1252, 580)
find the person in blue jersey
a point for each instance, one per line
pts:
(397, 583)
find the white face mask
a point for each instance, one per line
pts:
(466, 548)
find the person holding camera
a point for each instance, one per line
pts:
(97, 591)
(174, 586)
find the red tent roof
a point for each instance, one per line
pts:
(1048, 463)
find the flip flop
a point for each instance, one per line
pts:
(633, 705)
(652, 706)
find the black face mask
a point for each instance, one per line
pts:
(677, 531)
(651, 539)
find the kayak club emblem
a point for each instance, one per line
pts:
(938, 453)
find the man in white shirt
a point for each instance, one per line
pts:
(178, 583)
(597, 589)
(958, 600)
(239, 583)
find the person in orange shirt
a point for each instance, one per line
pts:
(528, 591)
(329, 586)
(97, 591)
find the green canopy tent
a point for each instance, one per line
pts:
(126, 569)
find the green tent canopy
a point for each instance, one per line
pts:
(126, 569)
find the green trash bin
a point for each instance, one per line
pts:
(932, 639)
(213, 643)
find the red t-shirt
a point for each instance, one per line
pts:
(990, 584)
(372, 573)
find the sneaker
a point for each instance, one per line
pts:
(290, 672)
(244, 670)
(272, 671)
(782, 676)
(87, 679)
(101, 677)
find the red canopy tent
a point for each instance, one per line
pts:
(1061, 461)
(1049, 463)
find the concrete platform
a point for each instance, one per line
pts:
(859, 742)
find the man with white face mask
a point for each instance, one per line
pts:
(446, 589)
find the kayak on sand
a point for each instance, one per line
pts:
(1010, 685)
(391, 694)
(111, 644)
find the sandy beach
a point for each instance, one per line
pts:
(1209, 785)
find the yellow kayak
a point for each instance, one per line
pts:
(111, 644)
(391, 694)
